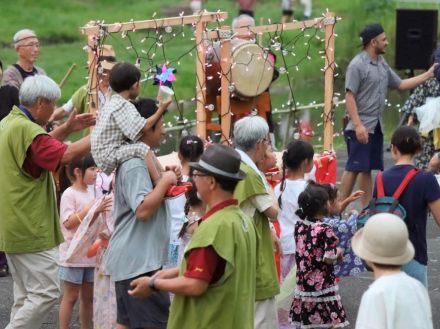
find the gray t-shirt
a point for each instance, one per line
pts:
(136, 246)
(369, 83)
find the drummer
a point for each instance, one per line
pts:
(213, 55)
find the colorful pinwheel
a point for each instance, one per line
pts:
(164, 76)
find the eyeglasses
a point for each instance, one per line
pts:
(33, 45)
(264, 140)
(199, 175)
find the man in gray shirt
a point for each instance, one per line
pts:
(367, 81)
(139, 244)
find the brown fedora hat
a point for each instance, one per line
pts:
(384, 240)
(220, 161)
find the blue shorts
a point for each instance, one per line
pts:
(77, 275)
(364, 157)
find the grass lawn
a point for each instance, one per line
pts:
(57, 23)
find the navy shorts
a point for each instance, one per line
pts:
(151, 312)
(364, 157)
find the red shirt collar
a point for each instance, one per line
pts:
(219, 206)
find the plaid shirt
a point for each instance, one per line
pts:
(115, 136)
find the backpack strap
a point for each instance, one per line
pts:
(405, 182)
(380, 192)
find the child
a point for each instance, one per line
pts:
(119, 126)
(394, 300)
(297, 161)
(194, 210)
(190, 150)
(317, 303)
(76, 202)
(344, 229)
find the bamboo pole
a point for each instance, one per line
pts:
(225, 62)
(329, 66)
(201, 81)
(67, 75)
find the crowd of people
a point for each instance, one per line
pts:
(210, 242)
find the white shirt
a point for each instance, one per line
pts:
(286, 215)
(395, 302)
(176, 207)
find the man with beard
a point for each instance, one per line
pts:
(367, 80)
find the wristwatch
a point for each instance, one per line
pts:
(151, 284)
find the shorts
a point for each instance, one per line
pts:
(151, 312)
(418, 271)
(364, 157)
(77, 275)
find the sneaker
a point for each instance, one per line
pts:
(4, 271)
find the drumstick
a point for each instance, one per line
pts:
(68, 73)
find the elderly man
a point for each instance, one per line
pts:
(251, 141)
(368, 79)
(29, 224)
(216, 284)
(27, 48)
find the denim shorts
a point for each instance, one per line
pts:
(77, 275)
(417, 271)
(364, 157)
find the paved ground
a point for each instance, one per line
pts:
(351, 288)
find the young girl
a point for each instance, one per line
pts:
(317, 303)
(297, 161)
(190, 150)
(76, 202)
(344, 229)
(194, 210)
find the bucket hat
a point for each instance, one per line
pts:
(384, 240)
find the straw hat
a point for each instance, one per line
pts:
(107, 57)
(384, 240)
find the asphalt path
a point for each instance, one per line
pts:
(351, 288)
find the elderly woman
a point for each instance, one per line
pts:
(29, 224)
(251, 141)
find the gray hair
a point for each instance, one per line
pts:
(21, 35)
(242, 21)
(248, 131)
(38, 86)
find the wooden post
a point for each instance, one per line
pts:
(201, 81)
(92, 85)
(329, 66)
(226, 112)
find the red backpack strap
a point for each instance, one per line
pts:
(405, 182)
(380, 192)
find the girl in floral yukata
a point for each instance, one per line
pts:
(317, 303)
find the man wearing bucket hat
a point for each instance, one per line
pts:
(367, 81)
(216, 281)
(394, 300)
(79, 99)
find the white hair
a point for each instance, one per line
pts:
(21, 35)
(242, 21)
(248, 131)
(38, 86)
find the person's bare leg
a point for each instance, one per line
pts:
(86, 306)
(347, 183)
(365, 184)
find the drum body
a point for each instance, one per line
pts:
(251, 71)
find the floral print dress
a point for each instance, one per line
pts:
(317, 303)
